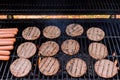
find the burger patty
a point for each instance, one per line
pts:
(95, 34)
(49, 48)
(74, 30)
(105, 68)
(76, 67)
(70, 47)
(97, 50)
(20, 67)
(51, 32)
(31, 33)
(26, 50)
(49, 66)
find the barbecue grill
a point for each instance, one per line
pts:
(110, 26)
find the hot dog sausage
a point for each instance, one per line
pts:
(9, 29)
(6, 42)
(7, 32)
(8, 39)
(5, 58)
(6, 47)
(6, 35)
(4, 53)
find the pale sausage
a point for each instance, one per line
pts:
(7, 32)
(9, 29)
(8, 39)
(6, 47)
(5, 58)
(6, 42)
(6, 35)
(4, 53)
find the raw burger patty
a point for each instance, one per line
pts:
(97, 50)
(76, 67)
(70, 47)
(26, 50)
(74, 30)
(20, 67)
(95, 34)
(49, 66)
(31, 33)
(49, 48)
(105, 68)
(51, 32)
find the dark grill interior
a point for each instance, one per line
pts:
(111, 40)
(59, 6)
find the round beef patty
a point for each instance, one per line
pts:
(70, 47)
(51, 32)
(20, 67)
(49, 48)
(31, 33)
(26, 50)
(76, 67)
(105, 68)
(74, 30)
(95, 34)
(97, 50)
(49, 66)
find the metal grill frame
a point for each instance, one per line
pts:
(112, 40)
(60, 7)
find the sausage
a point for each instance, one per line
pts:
(6, 42)
(6, 35)
(6, 47)
(9, 29)
(7, 32)
(8, 39)
(5, 58)
(4, 53)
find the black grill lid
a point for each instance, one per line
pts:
(59, 6)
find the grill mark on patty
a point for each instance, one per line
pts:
(26, 50)
(21, 65)
(45, 65)
(51, 31)
(70, 47)
(73, 28)
(71, 63)
(76, 67)
(81, 66)
(51, 67)
(47, 48)
(95, 34)
(98, 50)
(108, 69)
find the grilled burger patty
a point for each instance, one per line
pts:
(97, 50)
(95, 34)
(51, 32)
(26, 50)
(74, 30)
(31, 33)
(70, 47)
(76, 67)
(105, 68)
(49, 48)
(20, 67)
(49, 66)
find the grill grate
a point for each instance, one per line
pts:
(60, 7)
(111, 40)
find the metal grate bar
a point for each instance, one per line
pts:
(60, 7)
